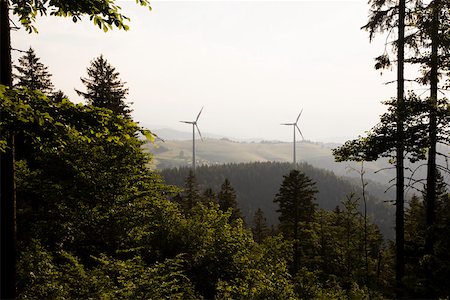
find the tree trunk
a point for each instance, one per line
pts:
(399, 216)
(7, 172)
(431, 170)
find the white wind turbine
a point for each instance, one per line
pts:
(194, 125)
(295, 126)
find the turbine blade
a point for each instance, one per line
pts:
(299, 131)
(199, 131)
(299, 116)
(198, 116)
(187, 122)
(287, 124)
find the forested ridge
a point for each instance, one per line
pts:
(256, 185)
(83, 216)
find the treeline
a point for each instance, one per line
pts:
(256, 185)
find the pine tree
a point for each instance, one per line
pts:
(32, 74)
(227, 200)
(209, 196)
(104, 87)
(428, 273)
(58, 96)
(296, 207)
(191, 194)
(260, 229)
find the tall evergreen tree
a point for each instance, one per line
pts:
(104, 87)
(428, 273)
(191, 194)
(32, 74)
(260, 229)
(227, 199)
(209, 196)
(296, 207)
(385, 16)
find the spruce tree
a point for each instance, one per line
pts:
(209, 196)
(58, 96)
(227, 200)
(259, 229)
(296, 207)
(104, 87)
(32, 74)
(191, 194)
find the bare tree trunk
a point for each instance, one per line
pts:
(7, 172)
(399, 216)
(366, 251)
(431, 170)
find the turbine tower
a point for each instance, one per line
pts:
(194, 125)
(295, 126)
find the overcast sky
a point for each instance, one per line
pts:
(252, 64)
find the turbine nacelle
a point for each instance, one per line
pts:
(295, 124)
(298, 129)
(194, 123)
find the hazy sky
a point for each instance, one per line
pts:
(252, 64)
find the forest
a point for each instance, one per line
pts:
(84, 217)
(256, 185)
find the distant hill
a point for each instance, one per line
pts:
(177, 153)
(256, 185)
(176, 135)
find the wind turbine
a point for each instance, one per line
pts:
(194, 125)
(295, 126)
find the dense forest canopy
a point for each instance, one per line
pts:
(257, 184)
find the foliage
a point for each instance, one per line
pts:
(104, 87)
(106, 14)
(60, 275)
(50, 126)
(191, 195)
(381, 139)
(32, 74)
(427, 274)
(256, 185)
(227, 200)
(259, 226)
(297, 208)
(265, 274)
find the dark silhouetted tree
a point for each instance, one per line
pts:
(296, 207)
(209, 196)
(260, 229)
(32, 74)
(191, 194)
(58, 96)
(227, 200)
(104, 87)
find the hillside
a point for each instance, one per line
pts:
(176, 153)
(256, 185)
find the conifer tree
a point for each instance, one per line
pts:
(227, 200)
(209, 196)
(58, 96)
(104, 87)
(32, 74)
(296, 207)
(260, 229)
(191, 194)
(428, 273)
